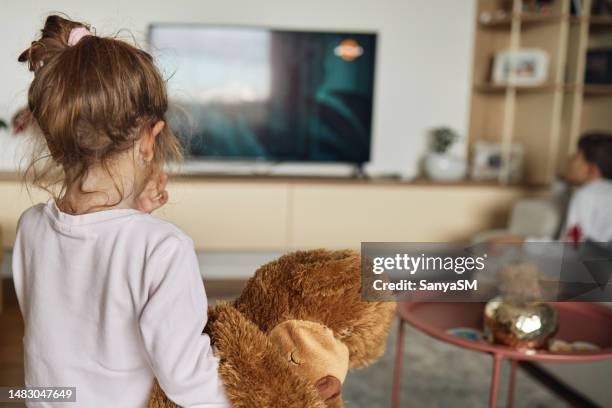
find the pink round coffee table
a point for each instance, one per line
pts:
(588, 322)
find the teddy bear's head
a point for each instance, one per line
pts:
(310, 305)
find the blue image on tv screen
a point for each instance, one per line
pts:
(257, 94)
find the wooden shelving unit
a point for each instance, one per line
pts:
(549, 118)
(600, 21)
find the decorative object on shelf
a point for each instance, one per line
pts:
(524, 67)
(440, 165)
(487, 17)
(598, 66)
(488, 162)
(515, 319)
(537, 6)
(504, 11)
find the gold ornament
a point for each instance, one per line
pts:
(519, 324)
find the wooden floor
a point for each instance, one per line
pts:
(11, 331)
(11, 346)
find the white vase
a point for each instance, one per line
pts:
(443, 167)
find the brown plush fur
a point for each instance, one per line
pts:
(320, 286)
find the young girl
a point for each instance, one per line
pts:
(111, 296)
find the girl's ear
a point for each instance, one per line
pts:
(147, 141)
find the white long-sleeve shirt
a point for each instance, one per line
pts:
(111, 300)
(590, 212)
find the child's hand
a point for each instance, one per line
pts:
(154, 194)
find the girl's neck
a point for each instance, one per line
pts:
(100, 189)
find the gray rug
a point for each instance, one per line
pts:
(436, 374)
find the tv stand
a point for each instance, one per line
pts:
(359, 172)
(264, 169)
(235, 213)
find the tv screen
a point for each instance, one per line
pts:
(243, 93)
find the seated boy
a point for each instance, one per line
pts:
(589, 215)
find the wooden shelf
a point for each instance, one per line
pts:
(586, 89)
(8, 177)
(601, 90)
(524, 18)
(534, 18)
(498, 88)
(590, 89)
(600, 21)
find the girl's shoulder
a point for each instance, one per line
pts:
(160, 229)
(31, 214)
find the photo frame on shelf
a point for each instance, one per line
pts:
(487, 162)
(524, 67)
(598, 68)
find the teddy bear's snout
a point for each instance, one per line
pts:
(314, 353)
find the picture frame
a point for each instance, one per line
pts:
(487, 161)
(524, 67)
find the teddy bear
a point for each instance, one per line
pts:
(294, 332)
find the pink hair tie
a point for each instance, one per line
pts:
(76, 34)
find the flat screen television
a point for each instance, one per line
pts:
(256, 94)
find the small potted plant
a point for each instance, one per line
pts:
(440, 165)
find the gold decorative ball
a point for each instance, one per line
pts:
(519, 324)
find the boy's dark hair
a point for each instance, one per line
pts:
(596, 147)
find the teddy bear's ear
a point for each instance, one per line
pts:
(366, 337)
(328, 285)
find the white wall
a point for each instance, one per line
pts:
(425, 52)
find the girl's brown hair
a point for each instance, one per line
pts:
(91, 101)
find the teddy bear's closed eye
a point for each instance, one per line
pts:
(293, 358)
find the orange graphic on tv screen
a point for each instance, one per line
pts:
(349, 50)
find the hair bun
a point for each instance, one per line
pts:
(55, 36)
